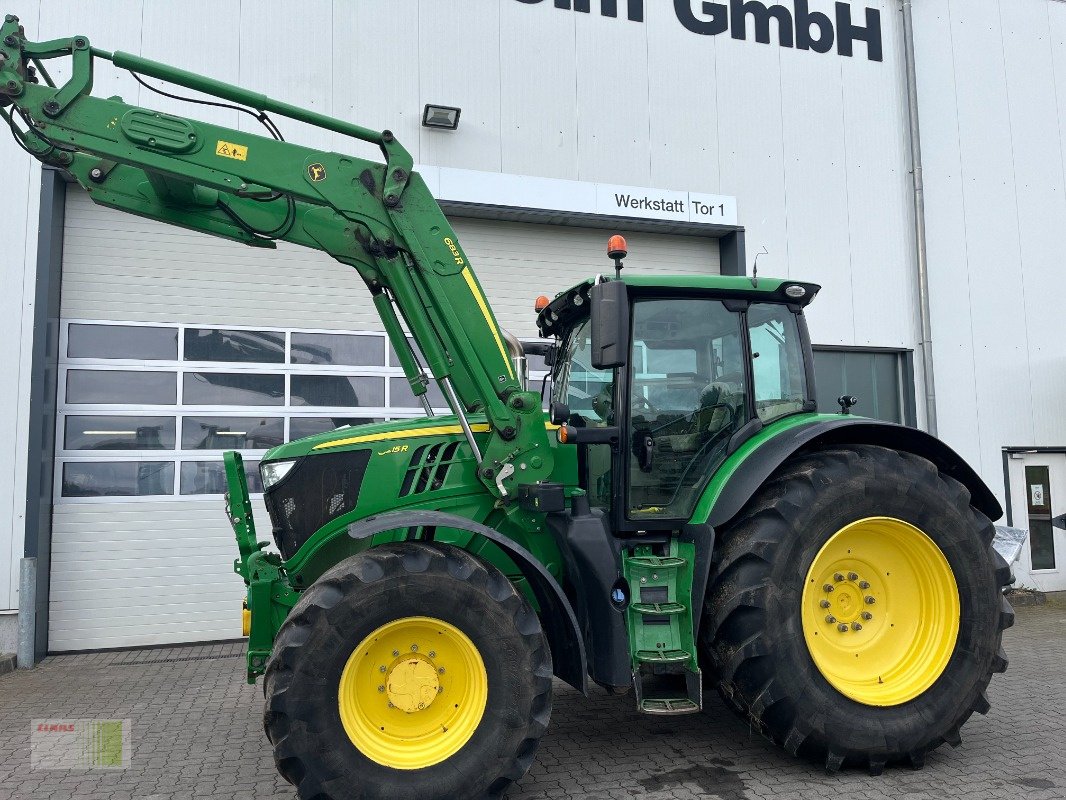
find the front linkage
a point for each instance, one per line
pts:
(270, 597)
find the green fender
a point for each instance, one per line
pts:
(556, 614)
(747, 469)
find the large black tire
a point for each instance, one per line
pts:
(752, 639)
(359, 595)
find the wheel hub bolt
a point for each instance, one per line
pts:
(838, 577)
(828, 587)
(842, 628)
(432, 653)
(856, 626)
(395, 653)
(870, 600)
(391, 705)
(414, 648)
(440, 671)
(825, 604)
(381, 668)
(381, 689)
(866, 615)
(864, 584)
(852, 576)
(830, 619)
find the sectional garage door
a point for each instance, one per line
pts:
(175, 346)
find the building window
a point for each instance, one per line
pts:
(881, 380)
(145, 411)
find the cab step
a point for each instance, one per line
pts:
(665, 694)
(673, 705)
(656, 562)
(659, 609)
(662, 656)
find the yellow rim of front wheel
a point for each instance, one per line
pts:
(880, 611)
(413, 693)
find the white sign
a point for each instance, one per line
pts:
(578, 197)
(1037, 491)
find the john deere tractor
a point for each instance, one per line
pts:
(679, 517)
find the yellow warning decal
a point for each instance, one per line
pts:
(231, 150)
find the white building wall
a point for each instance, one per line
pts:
(812, 144)
(18, 232)
(992, 93)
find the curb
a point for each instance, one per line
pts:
(7, 663)
(1028, 598)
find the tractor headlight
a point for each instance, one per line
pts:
(274, 471)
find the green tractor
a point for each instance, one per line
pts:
(680, 517)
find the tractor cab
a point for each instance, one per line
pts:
(659, 379)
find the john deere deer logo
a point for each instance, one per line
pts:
(316, 172)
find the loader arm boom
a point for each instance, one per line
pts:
(379, 218)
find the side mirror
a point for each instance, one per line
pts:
(610, 325)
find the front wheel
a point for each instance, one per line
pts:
(410, 669)
(854, 613)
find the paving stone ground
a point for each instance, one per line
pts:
(197, 733)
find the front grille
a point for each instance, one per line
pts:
(319, 488)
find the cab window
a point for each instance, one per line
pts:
(589, 394)
(777, 361)
(688, 396)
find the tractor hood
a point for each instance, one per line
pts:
(353, 437)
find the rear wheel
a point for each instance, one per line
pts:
(854, 612)
(413, 669)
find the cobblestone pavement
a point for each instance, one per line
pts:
(197, 733)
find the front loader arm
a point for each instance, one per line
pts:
(379, 218)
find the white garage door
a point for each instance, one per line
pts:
(176, 346)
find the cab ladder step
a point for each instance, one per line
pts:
(659, 609)
(662, 656)
(668, 705)
(657, 562)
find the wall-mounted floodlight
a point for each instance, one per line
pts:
(441, 117)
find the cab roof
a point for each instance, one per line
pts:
(573, 302)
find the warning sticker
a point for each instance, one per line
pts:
(231, 150)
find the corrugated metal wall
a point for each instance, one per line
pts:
(992, 88)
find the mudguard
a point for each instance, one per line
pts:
(557, 618)
(753, 471)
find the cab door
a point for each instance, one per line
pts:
(1038, 500)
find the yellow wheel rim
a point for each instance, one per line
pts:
(413, 693)
(880, 611)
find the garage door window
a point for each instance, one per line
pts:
(145, 411)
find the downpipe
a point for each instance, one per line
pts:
(921, 255)
(27, 612)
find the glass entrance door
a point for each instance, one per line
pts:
(1038, 494)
